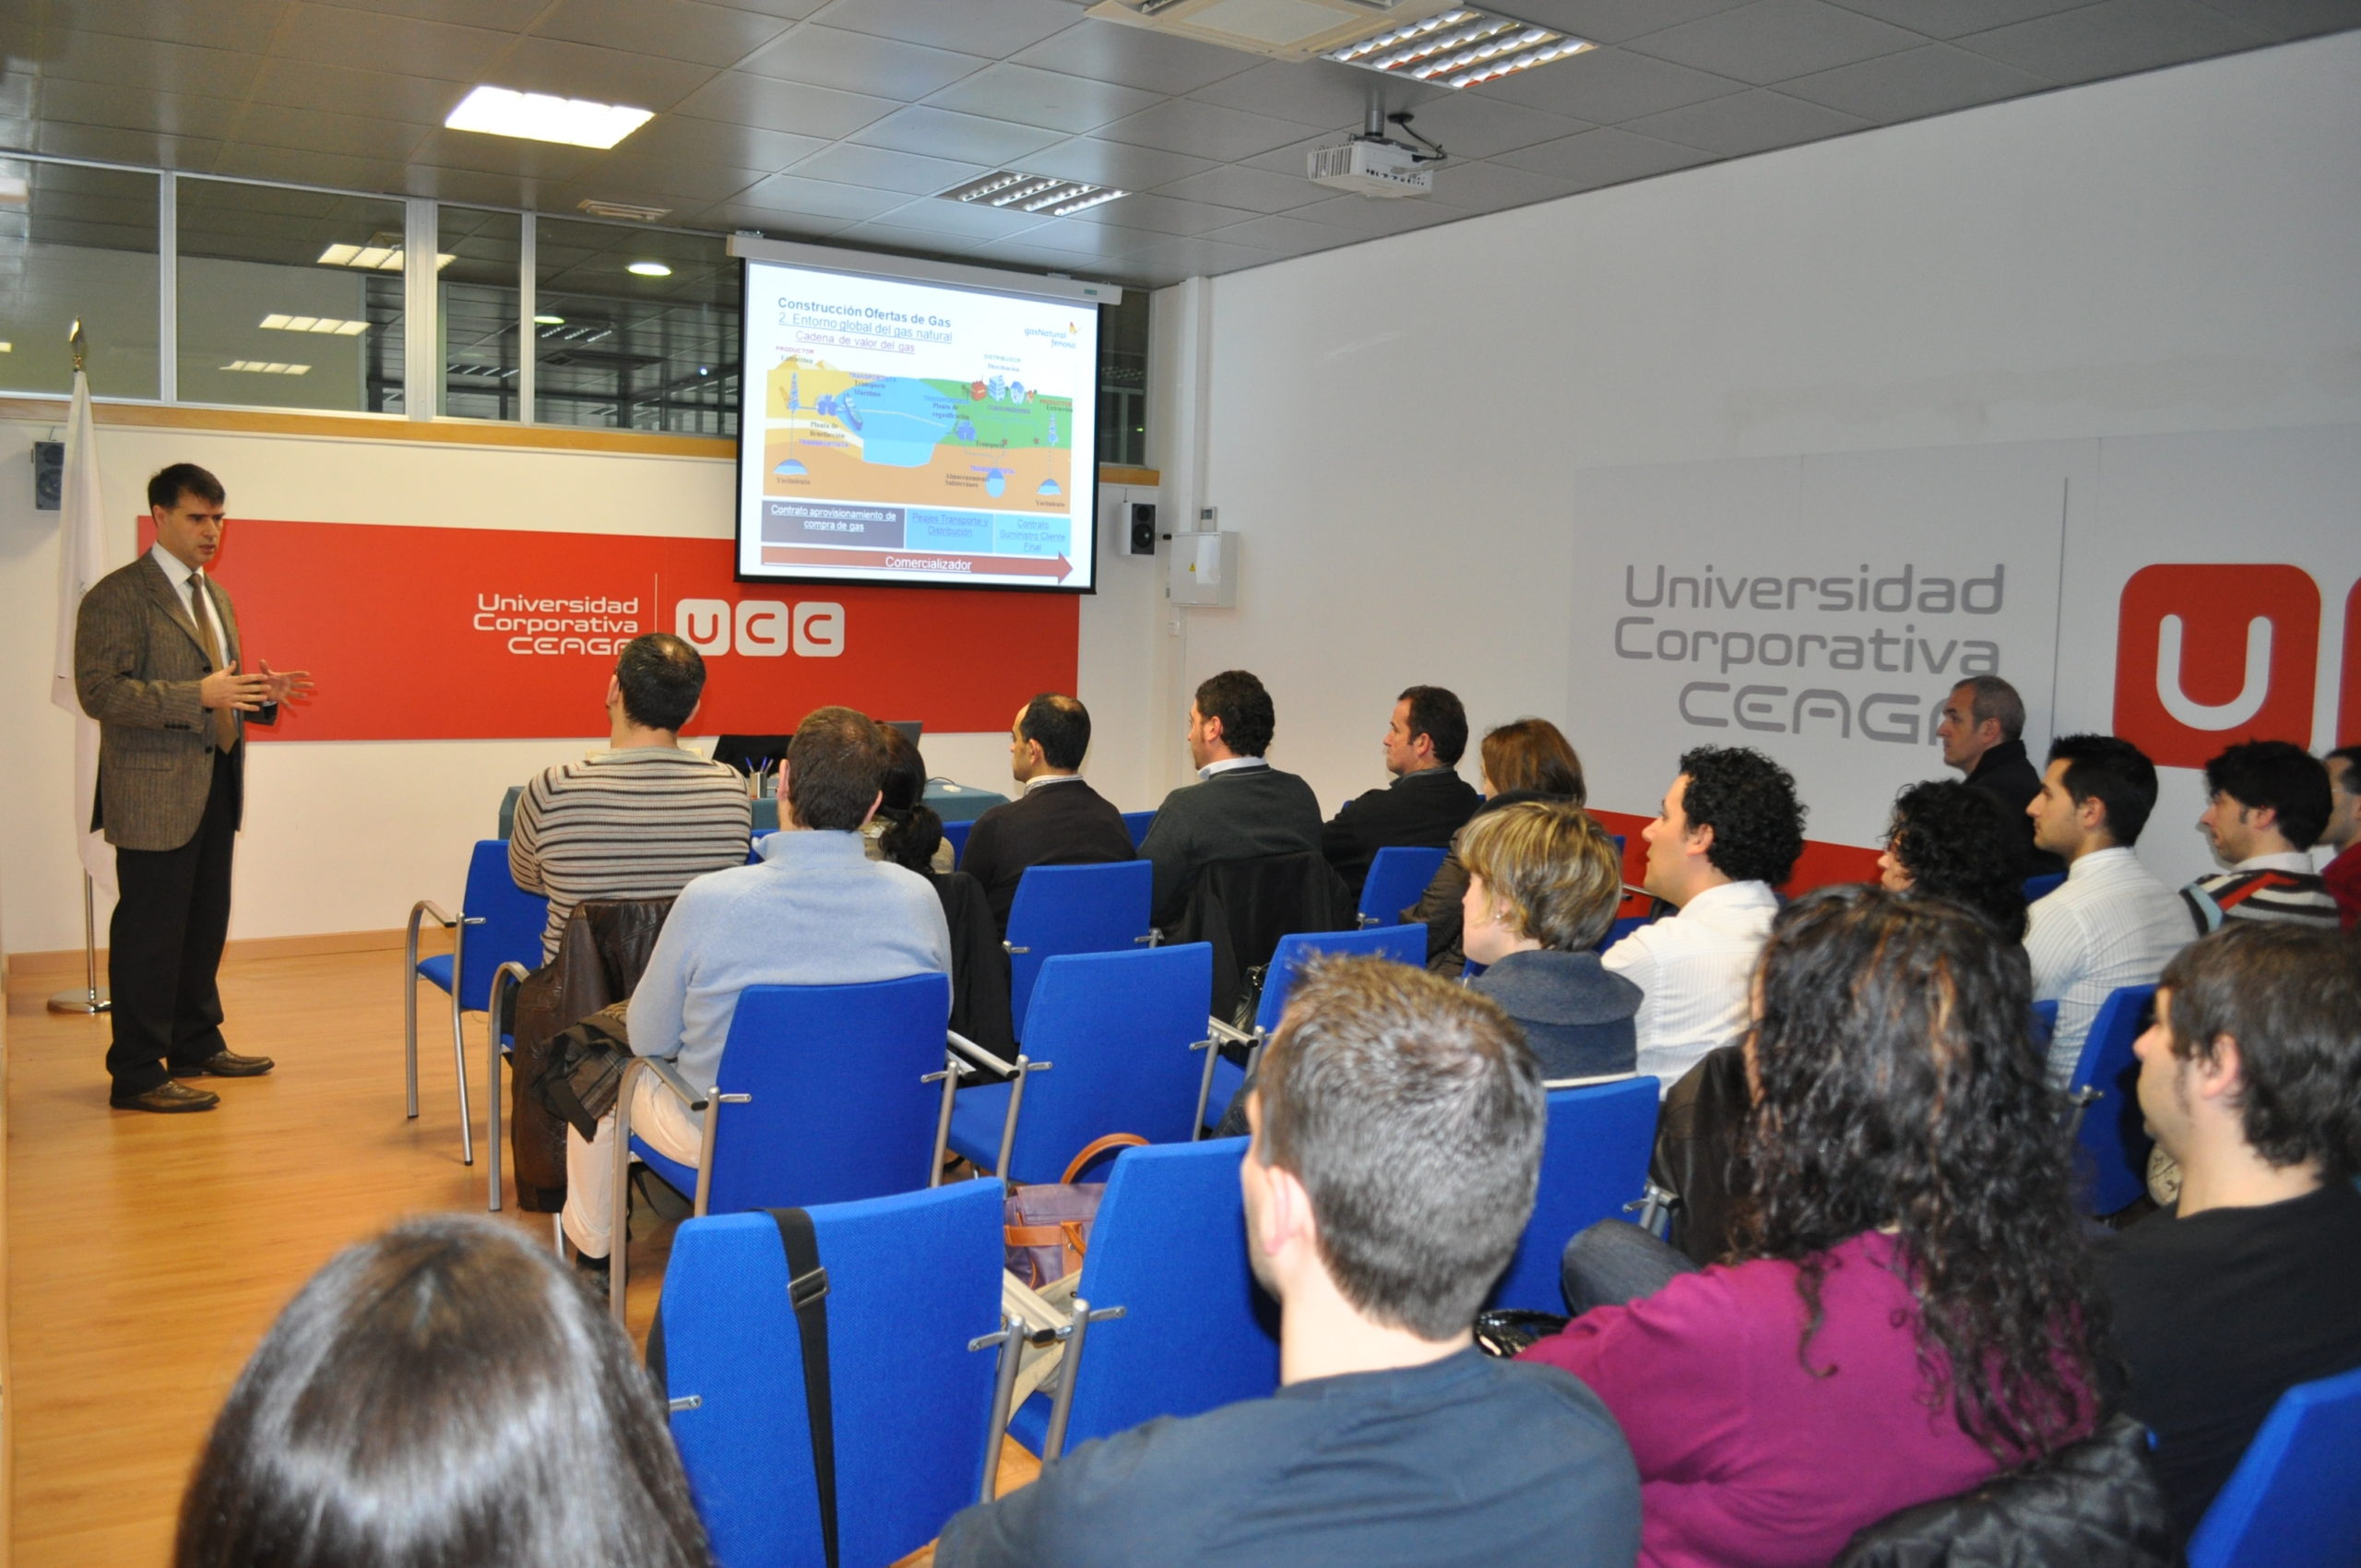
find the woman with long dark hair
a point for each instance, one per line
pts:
(1958, 843)
(443, 1393)
(1910, 1308)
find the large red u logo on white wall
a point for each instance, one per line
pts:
(2207, 655)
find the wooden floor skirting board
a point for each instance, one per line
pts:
(64, 966)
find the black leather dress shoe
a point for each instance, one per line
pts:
(225, 1064)
(167, 1098)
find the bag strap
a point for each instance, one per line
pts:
(807, 1295)
(1096, 1146)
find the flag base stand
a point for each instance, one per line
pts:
(89, 998)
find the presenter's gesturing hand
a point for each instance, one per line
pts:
(228, 688)
(285, 683)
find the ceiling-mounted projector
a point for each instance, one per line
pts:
(1371, 168)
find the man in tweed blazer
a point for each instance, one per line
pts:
(156, 662)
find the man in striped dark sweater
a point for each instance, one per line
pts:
(2265, 805)
(641, 819)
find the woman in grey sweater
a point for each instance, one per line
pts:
(1542, 885)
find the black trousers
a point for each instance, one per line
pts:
(172, 915)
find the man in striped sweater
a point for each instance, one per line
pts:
(643, 818)
(2266, 802)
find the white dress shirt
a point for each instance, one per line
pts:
(183, 577)
(1230, 763)
(1694, 970)
(2110, 923)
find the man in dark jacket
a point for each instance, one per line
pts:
(1982, 731)
(1056, 819)
(1428, 801)
(1243, 808)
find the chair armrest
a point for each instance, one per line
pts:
(960, 1045)
(1228, 1034)
(669, 1075)
(506, 978)
(432, 910)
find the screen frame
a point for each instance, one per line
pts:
(746, 260)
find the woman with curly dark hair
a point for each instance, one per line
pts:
(1957, 843)
(1910, 1308)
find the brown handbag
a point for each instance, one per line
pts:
(1046, 1226)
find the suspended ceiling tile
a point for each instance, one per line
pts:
(678, 29)
(311, 167)
(1371, 216)
(364, 40)
(1113, 164)
(886, 67)
(1100, 242)
(242, 25)
(1202, 130)
(798, 108)
(610, 75)
(993, 28)
(1747, 121)
(691, 140)
(1606, 86)
(1773, 40)
(1255, 190)
(509, 15)
(418, 101)
(1469, 124)
(1605, 156)
(502, 155)
(1169, 261)
(793, 10)
(113, 144)
(2113, 39)
(885, 170)
(1133, 56)
(1280, 234)
(90, 103)
(1031, 96)
(1914, 84)
(1615, 21)
(819, 198)
(1488, 186)
(345, 135)
(475, 185)
(1315, 92)
(2291, 19)
(966, 221)
(684, 184)
(1950, 19)
(146, 64)
(1160, 215)
(968, 138)
(777, 223)
(1292, 159)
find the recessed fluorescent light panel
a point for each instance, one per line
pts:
(1043, 194)
(537, 116)
(323, 324)
(648, 270)
(1460, 48)
(381, 258)
(268, 367)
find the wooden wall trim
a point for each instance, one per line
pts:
(440, 432)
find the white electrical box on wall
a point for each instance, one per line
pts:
(1205, 570)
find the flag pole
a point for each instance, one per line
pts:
(90, 998)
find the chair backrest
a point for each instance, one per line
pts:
(911, 1280)
(1620, 928)
(2042, 886)
(511, 932)
(1593, 1160)
(1135, 824)
(1117, 1028)
(2044, 1023)
(2112, 1146)
(956, 835)
(2292, 1498)
(1168, 1247)
(1398, 879)
(1402, 943)
(508, 809)
(1087, 909)
(837, 1108)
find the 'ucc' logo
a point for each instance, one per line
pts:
(761, 628)
(2207, 655)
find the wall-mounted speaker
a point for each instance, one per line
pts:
(1142, 521)
(48, 475)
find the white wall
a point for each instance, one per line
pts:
(1401, 429)
(344, 836)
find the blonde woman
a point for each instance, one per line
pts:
(1542, 886)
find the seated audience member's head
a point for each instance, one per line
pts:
(2343, 828)
(444, 1394)
(1960, 844)
(913, 831)
(658, 683)
(1982, 712)
(1895, 1088)
(2263, 798)
(1540, 874)
(1397, 1141)
(1530, 755)
(835, 770)
(1429, 729)
(1051, 735)
(2096, 794)
(1230, 717)
(2254, 1058)
(1731, 816)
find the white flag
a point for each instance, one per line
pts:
(81, 555)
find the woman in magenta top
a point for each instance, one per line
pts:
(1912, 1215)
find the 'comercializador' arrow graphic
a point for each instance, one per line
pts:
(916, 562)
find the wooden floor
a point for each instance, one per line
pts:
(149, 1253)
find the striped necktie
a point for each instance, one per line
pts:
(225, 719)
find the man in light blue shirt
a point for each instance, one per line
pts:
(816, 911)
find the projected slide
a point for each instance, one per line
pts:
(911, 433)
